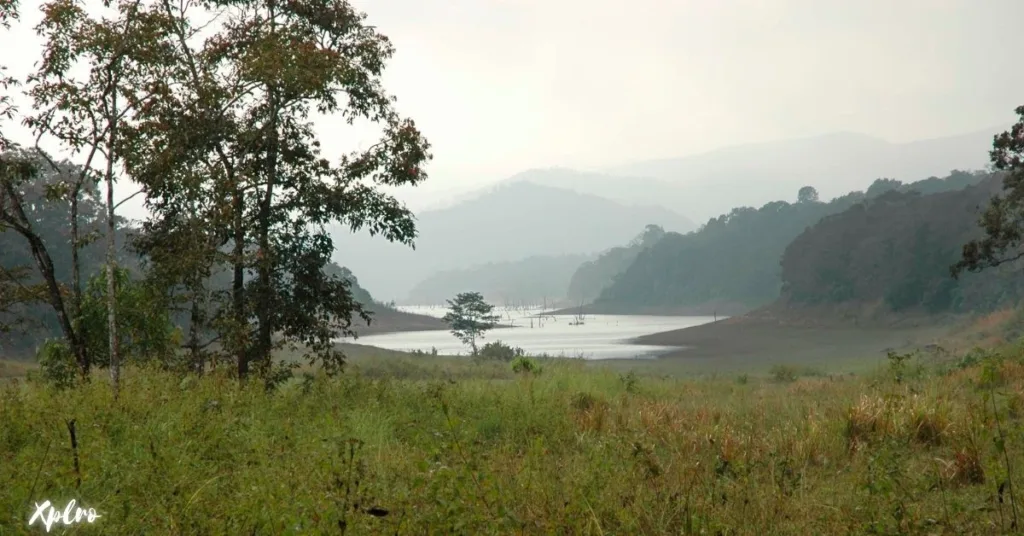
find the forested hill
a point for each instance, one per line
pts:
(896, 250)
(734, 259)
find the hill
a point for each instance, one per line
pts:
(511, 222)
(751, 175)
(893, 253)
(534, 280)
(734, 259)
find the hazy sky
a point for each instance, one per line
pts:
(500, 86)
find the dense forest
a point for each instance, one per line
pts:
(734, 258)
(896, 249)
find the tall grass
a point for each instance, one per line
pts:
(573, 449)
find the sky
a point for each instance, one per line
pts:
(501, 86)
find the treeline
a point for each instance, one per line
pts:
(735, 258)
(207, 109)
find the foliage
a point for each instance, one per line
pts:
(470, 317)
(249, 165)
(525, 365)
(1003, 219)
(894, 250)
(807, 194)
(734, 258)
(500, 351)
(143, 322)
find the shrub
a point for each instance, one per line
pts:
(525, 365)
(500, 351)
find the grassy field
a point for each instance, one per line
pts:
(407, 444)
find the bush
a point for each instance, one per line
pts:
(525, 365)
(500, 351)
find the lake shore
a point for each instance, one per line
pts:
(760, 339)
(386, 320)
(711, 310)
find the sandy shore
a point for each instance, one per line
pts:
(392, 321)
(700, 310)
(743, 342)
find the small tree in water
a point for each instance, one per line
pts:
(470, 317)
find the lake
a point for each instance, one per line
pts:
(598, 337)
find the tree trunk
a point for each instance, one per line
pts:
(115, 357)
(238, 285)
(265, 260)
(193, 332)
(76, 268)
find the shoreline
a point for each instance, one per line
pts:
(723, 311)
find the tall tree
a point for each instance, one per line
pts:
(93, 113)
(244, 96)
(1003, 219)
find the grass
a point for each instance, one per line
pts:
(425, 445)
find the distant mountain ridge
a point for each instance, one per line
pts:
(509, 223)
(707, 184)
(712, 183)
(531, 281)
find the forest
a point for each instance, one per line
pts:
(735, 258)
(896, 249)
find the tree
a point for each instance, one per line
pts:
(94, 113)
(470, 317)
(807, 194)
(1003, 219)
(230, 139)
(19, 172)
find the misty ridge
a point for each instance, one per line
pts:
(545, 214)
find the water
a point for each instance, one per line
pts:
(599, 337)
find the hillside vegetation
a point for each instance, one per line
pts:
(735, 258)
(896, 250)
